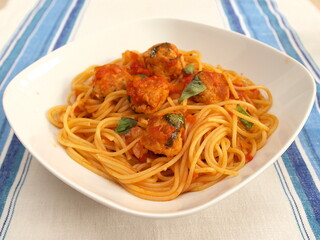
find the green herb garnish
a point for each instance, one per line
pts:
(189, 69)
(173, 137)
(125, 124)
(247, 124)
(195, 87)
(141, 75)
(175, 119)
(155, 49)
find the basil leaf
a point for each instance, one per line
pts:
(175, 119)
(173, 137)
(141, 75)
(189, 69)
(129, 99)
(195, 87)
(125, 124)
(247, 124)
(155, 49)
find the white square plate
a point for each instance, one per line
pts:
(46, 83)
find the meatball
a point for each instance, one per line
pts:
(164, 134)
(109, 78)
(147, 94)
(164, 60)
(217, 88)
(134, 63)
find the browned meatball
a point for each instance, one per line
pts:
(164, 134)
(109, 78)
(217, 88)
(164, 60)
(147, 94)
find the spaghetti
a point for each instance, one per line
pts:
(162, 122)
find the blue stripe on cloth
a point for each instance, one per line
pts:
(282, 35)
(310, 140)
(16, 34)
(287, 44)
(15, 195)
(65, 34)
(9, 168)
(291, 200)
(246, 8)
(232, 17)
(311, 129)
(256, 23)
(312, 65)
(304, 186)
(22, 40)
(10, 62)
(33, 43)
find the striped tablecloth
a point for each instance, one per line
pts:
(282, 203)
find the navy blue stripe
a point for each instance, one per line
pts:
(65, 34)
(309, 135)
(233, 19)
(289, 196)
(304, 185)
(15, 196)
(9, 168)
(287, 46)
(35, 45)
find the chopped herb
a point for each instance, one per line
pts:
(155, 49)
(129, 99)
(189, 69)
(195, 87)
(173, 137)
(141, 75)
(175, 119)
(125, 124)
(247, 124)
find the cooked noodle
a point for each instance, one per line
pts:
(215, 143)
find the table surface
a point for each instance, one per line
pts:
(282, 203)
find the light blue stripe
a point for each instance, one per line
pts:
(286, 45)
(10, 60)
(39, 42)
(304, 185)
(285, 41)
(256, 23)
(305, 188)
(22, 40)
(25, 21)
(310, 134)
(232, 16)
(34, 43)
(64, 36)
(298, 42)
(282, 35)
(8, 170)
(15, 195)
(310, 140)
(293, 203)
